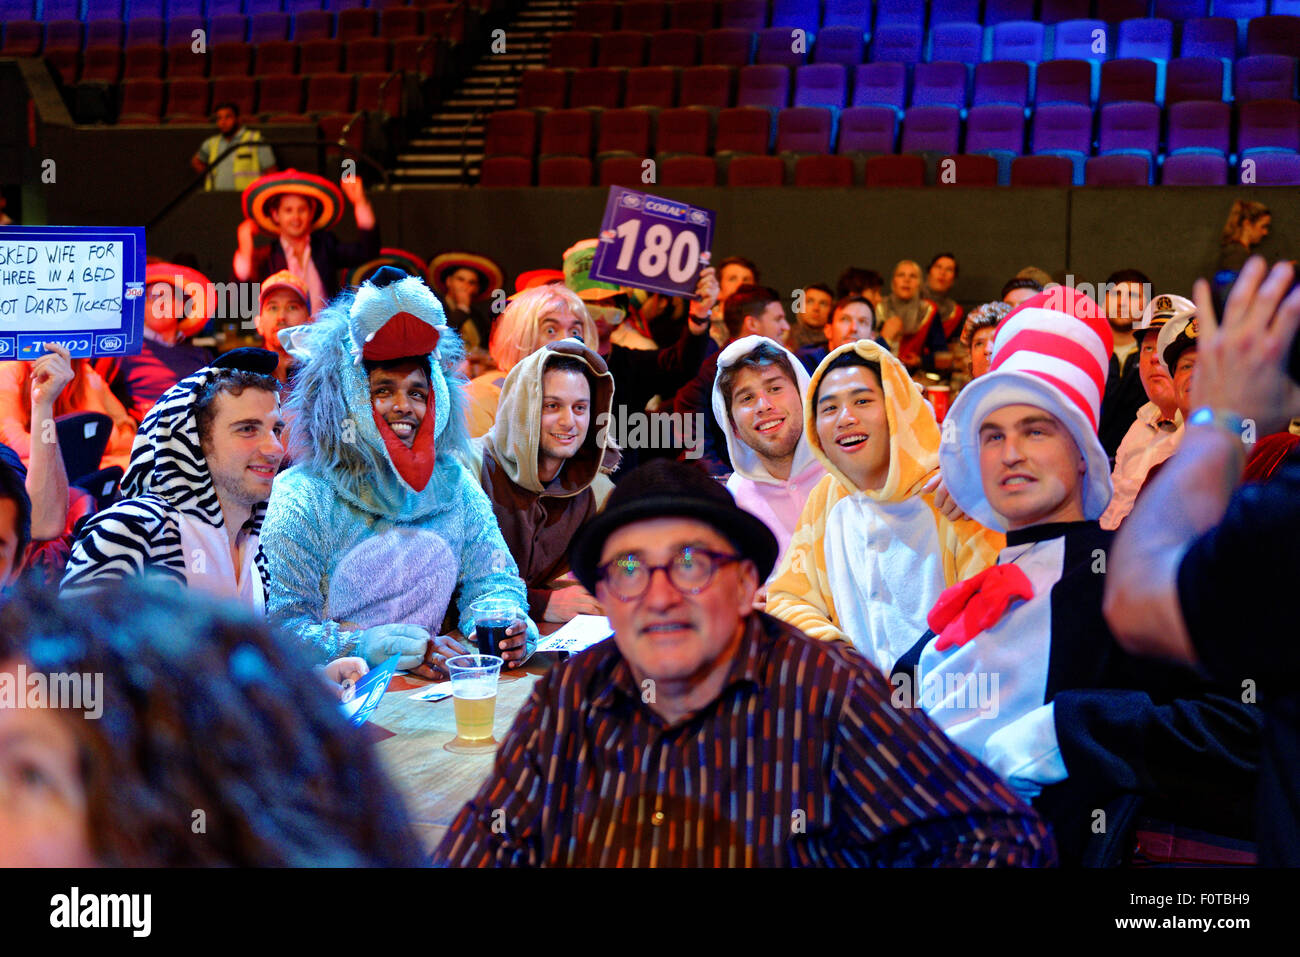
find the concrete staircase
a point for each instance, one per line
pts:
(449, 150)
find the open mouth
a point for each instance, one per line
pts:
(852, 440)
(1016, 481)
(266, 472)
(771, 425)
(564, 439)
(668, 629)
(402, 428)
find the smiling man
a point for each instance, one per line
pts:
(872, 551)
(195, 492)
(283, 304)
(852, 318)
(1019, 666)
(626, 755)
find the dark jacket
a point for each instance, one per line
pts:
(329, 255)
(1124, 395)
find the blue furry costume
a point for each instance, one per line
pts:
(346, 537)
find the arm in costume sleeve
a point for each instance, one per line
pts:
(800, 594)
(122, 541)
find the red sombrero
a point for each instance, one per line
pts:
(262, 191)
(490, 275)
(409, 263)
(537, 277)
(194, 286)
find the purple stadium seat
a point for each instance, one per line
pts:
(263, 27)
(776, 47)
(1041, 171)
(572, 50)
(621, 48)
(104, 33)
(1268, 125)
(726, 47)
(995, 129)
(510, 133)
(823, 171)
(143, 62)
(895, 171)
(1152, 39)
(756, 171)
(696, 15)
(743, 14)
(803, 129)
(147, 31)
(867, 129)
(625, 131)
(682, 131)
(564, 171)
(313, 25)
(144, 8)
(1128, 128)
(17, 10)
(1123, 80)
(1200, 126)
(707, 86)
(1255, 78)
(839, 44)
(1018, 40)
(1272, 169)
(881, 84)
(181, 29)
(228, 28)
(1063, 81)
(1116, 11)
(101, 65)
(1285, 8)
(370, 55)
(22, 38)
(743, 129)
(1003, 11)
(1209, 36)
(1193, 78)
(688, 171)
(1075, 39)
(103, 10)
(931, 129)
(1056, 11)
(187, 100)
(1238, 9)
(954, 11)
(767, 86)
(1001, 82)
(821, 84)
(673, 48)
(939, 84)
(64, 34)
(60, 10)
(1062, 128)
(1117, 171)
(1181, 9)
(184, 8)
(600, 86)
(650, 86)
(1279, 35)
(900, 13)
(252, 7)
(600, 17)
(1194, 169)
(897, 44)
(961, 169)
(219, 8)
(797, 14)
(621, 171)
(545, 89)
(142, 101)
(506, 171)
(230, 59)
(642, 15)
(848, 13)
(957, 42)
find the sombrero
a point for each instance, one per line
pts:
(263, 190)
(489, 273)
(537, 277)
(194, 285)
(409, 263)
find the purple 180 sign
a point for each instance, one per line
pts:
(648, 242)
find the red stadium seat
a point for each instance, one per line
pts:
(230, 59)
(101, 65)
(687, 171)
(240, 90)
(183, 61)
(566, 133)
(597, 86)
(673, 48)
(756, 171)
(320, 56)
(621, 48)
(187, 100)
(683, 130)
(902, 170)
(330, 93)
(418, 55)
(696, 15)
(143, 62)
(142, 101)
(707, 86)
(277, 95)
(510, 133)
(967, 170)
(543, 89)
(644, 15)
(380, 92)
(355, 24)
(650, 86)
(400, 22)
(827, 171)
(564, 171)
(572, 50)
(501, 171)
(371, 55)
(626, 130)
(743, 129)
(1041, 171)
(622, 171)
(276, 58)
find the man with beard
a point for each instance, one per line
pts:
(1126, 296)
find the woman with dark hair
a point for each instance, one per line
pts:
(1246, 227)
(204, 740)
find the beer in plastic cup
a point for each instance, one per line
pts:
(474, 693)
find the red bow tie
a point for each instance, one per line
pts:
(970, 606)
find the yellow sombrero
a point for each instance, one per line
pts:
(409, 263)
(194, 286)
(266, 190)
(489, 272)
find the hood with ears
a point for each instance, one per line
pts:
(334, 432)
(743, 458)
(913, 431)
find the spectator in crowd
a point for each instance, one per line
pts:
(940, 277)
(198, 709)
(251, 160)
(809, 327)
(466, 283)
(1176, 344)
(196, 490)
(87, 392)
(853, 318)
(1199, 570)
(1040, 276)
(15, 519)
(906, 320)
(177, 306)
(378, 523)
(1017, 289)
(866, 283)
(1247, 226)
(758, 403)
(878, 786)
(299, 209)
(544, 465)
(1019, 667)
(1126, 297)
(1158, 427)
(977, 334)
(873, 552)
(533, 318)
(750, 311)
(733, 272)
(284, 304)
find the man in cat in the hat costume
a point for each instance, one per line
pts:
(1019, 666)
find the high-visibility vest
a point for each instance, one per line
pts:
(247, 166)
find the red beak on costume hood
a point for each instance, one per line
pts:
(402, 335)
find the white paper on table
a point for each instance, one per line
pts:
(435, 692)
(580, 633)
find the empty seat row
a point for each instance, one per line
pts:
(1027, 41)
(962, 170)
(274, 98)
(887, 84)
(130, 9)
(1133, 128)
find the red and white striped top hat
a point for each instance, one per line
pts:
(1052, 352)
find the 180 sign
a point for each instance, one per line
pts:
(648, 242)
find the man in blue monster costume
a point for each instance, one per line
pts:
(375, 529)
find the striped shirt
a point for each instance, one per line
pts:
(801, 760)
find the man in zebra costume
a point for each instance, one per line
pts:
(195, 491)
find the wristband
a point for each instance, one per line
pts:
(1221, 419)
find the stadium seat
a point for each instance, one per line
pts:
(320, 56)
(599, 17)
(687, 171)
(682, 131)
(622, 171)
(1018, 40)
(756, 171)
(743, 129)
(280, 95)
(803, 129)
(1277, 35)
(643, 15)
(881, 84)
(1056, 11)
(221, 8)
(1001, 82)
(1238, 9)
(1272, 169)
(267, 27)
(1116, 11)
(1063, 81)
(767, 86)
(966, 170)
(848, 13)
(1149, 38)
(894, 171)
(1128, 128)
(997, 12)
(104, 33)
(726, 47)
(706, 86)
(182, 29)
(101, 65)
(330, 93)
(954, 11)
(1062, 128)
(600, 86)
(1117, 171)
(1209, 37)
(380, 93)
(1180, 10)
(995, 129)
(148, 31)
(821, 84)
(510, 133)
(228, 28)
(625, 131)
(623, 48)
(1041, 171)
(313, 25)
(183, 61)
(417, 55)
(839, 44)
(355, 23)
(1193, 78)
(572, 50)
(570, 171)
(776, 47)
(743, 14)
(696, 15)
(1200, 126)
(650, 86)
(22, 38)
(187, 100)
(498, 172)
(230, 59)
(240, 90)
(1194, 169)
(673, 48)
(370, 55)
(545, 89)
(143, 62)
(931, 129)
(897, 45)
(142, 101)
(899, 13)
(103, 10)
(957, 42)
(1263, 78)
(1123, 80)
(64, 35)
(823, 171)
(60, 10)
(396, 22)
(797, 15)
(275, 58)
(144, 8)
(939, 84)
(1272, 125)
(1077, 39)
(867, 129)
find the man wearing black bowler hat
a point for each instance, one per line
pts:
(708, 734)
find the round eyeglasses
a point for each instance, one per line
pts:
(690, 571)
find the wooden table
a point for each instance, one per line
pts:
(435, 782)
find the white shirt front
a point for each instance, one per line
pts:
(210, 567)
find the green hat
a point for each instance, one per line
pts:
(577, 273)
